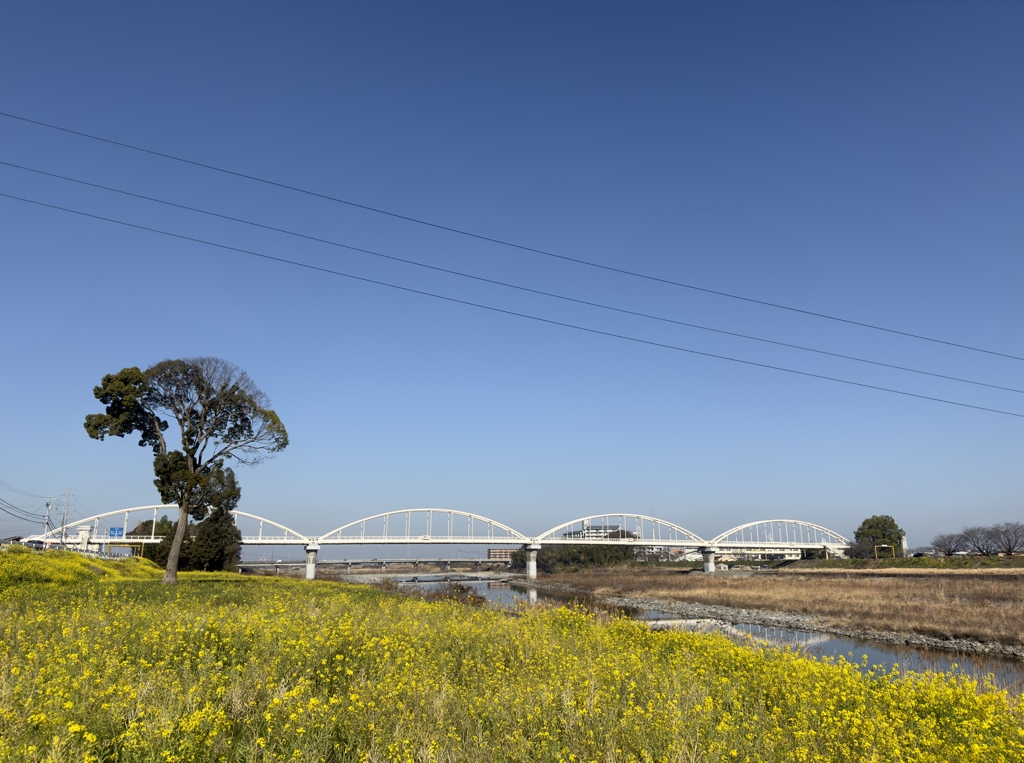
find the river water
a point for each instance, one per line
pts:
(1003, 672)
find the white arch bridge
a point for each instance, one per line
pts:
(766, 538)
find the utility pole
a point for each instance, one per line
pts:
(46, 522)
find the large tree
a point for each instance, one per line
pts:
(1008, 537)
(221, 415)
(980, 539)
(879, 530)
(949, 543)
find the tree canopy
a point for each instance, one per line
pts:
(879, 530)
(221, 415)
(213, 545)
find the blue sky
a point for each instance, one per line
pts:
(862, 160)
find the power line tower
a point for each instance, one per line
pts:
(67, 503)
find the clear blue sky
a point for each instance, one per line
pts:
(858, 159)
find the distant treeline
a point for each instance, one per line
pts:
(574, 557)
(1003, 538)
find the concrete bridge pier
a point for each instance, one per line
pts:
(531, 561)
(311, 550)
(709, 558)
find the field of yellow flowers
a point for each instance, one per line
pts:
(109, 665)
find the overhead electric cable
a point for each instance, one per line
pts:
(13, 511)
(503, 242)
(514, 313)
(507, 285)
(19, 491)
(18, 513)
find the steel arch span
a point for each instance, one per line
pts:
(288, 536)
(779, 533)
(85, 532)
(423, 526)
(621, 529)
(71, 532)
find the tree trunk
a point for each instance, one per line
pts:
(171, 570)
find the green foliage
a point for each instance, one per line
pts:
(213, 545)
(178, 482)
(878, 530)
(221, 415)
(164, 527)
(145, 527)
(129, 409)
(217, 544)
(575, 557)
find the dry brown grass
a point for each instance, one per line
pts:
(976, 605)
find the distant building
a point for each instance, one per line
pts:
(597, 532)
(500, 554)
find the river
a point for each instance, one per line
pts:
(1004, 672)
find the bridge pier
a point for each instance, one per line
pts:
(531, 561)
(311, 550)
(709, 558)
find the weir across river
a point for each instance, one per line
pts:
(770, 538)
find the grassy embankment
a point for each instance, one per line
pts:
(104, 663)
(976, 603)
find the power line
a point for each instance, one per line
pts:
(19, 491)
(503, 242)
(507, 285)
(18, 513)
(503, 311)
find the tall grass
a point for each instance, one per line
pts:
(240, 669)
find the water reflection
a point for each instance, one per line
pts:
(1003, 672)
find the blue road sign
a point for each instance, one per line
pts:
(116, 532)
